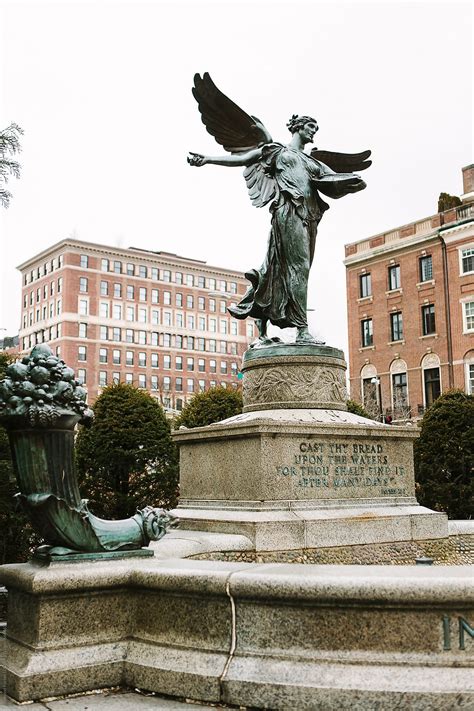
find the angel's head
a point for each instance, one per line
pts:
(307, 125)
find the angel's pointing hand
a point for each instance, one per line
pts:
(197, 159)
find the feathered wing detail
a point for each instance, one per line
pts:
(343, 162)
(262, 188)
(232, 127)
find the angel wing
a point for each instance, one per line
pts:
(237, 132)
(343, 162)
(232, 127)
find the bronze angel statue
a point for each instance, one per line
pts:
(291, 181)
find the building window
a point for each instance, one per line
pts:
(201, 303)
(212, 305)
(130, 292)
(142, 271)
(190, 343)
(129, 378)
(202, 385)
(142, 380)
(178, 277)
(190, 279)
(166, 275)
(142, 337)
(178, 384)
(130, 313)
(201, 282)
(212, 366)
(394, 281)
(202, 365)
(129, 335)
(167, 340)
(155, 317)
(154, 338)
(224, 367)
(223, 346)
(116, 378)
(234, 369)
(432, 385)
(470, 378)
(142, 359)
(191, 323)
(130, 269)
(365, 285)
(212, 345)
(81, 375)
(190, 363)
(250, 329)
(154, 360)
(129, 358)
(400, 392)
(468, 315)
(428, 321)
(396, 326)
(142, 294)
(104, 288)
(60, 285)
(83, 307)
(117, 291)
(117, 312)
(154, 382)
(179, 363)
(467, 260)
(167, 298)
(155, 296)
(84, 261)
(179, 299)
(82, 353)
(166, 382)
(104, 265)
(190, 385)
(213, 324)
(102, 355)
(189, 301)
(367, 335)
(142, 314)
(102, 378)
(155, 273)
(222, 307)
(118, 267)
(233, 328)
(103, 331)
(83, 330)
(426, 268)
(116, 357)
(233, 287)
(104, 309)
(167, 362)
(116, 334)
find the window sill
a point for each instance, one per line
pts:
(400, 342)
(365, 299)
(394, 292)
(366, 348)
(428, 283)
(428, 335)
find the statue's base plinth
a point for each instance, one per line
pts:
(46, 557)
(295, 470)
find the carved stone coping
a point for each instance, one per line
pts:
(292, 349)
(295, 380)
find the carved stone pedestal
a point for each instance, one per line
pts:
(296, 470)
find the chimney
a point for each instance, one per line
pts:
(468, 181)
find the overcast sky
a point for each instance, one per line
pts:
(102, 91)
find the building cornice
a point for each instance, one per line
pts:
(133, 253)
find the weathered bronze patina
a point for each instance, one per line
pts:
(290, 180)
(40, 405)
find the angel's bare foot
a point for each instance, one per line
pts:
(304, 336)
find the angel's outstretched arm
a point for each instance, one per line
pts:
(234, 160)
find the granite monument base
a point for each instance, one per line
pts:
(303, 478)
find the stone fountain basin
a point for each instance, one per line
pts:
(269, 636)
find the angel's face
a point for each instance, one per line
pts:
(307, 131)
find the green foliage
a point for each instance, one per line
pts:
(357, 409)
(447, 201)
(16, 533)
(211, 406)
(126, 458)
(444, 455)
(9, 145)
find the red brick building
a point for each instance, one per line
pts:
(153, 319)
(410, 303)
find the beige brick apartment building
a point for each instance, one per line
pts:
(410, 303)
(153, 319)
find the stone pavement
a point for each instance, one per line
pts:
(111, 700)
